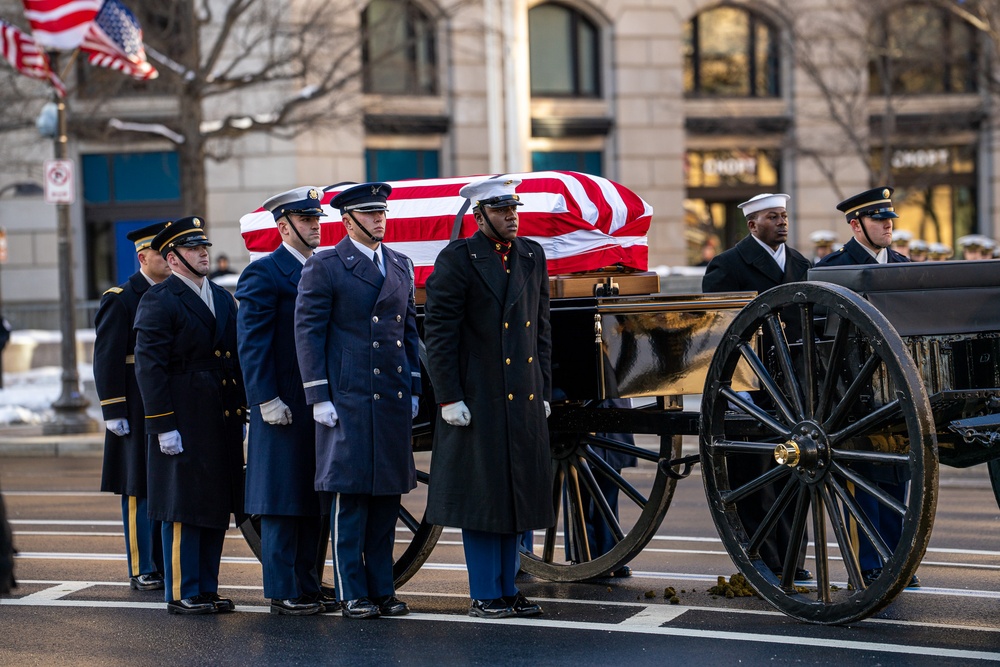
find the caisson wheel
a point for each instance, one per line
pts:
(590, 539)
(837, 446)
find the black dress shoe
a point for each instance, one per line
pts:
(390, 605)
(869, 576)
(914, 582)
(623, 571)
(221, 604)
(498, 608)
(191, 606)
(147, 582)
(522, 606)
(803, 574)
(360, 608)
(329, 602)
(298, 607)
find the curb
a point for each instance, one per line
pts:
(31, 441)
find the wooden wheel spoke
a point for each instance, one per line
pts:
(819, 540)
(410, 521)
(808, 358)
(767, 525)
(605, 469)
(843, 542)
(623, 447)
(856, 513)
(871, 489)
(757, 413)
(867, 456)
(549, 545)
(834, 360)
(423, 477)
(723, 446)
(858, 384)
(784, 356)
(790, 563)
(575, 528)
(767, 382)
(890, 410)
(597, 497)
(770, 477)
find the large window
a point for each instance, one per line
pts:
(730, 52)
(924, 50)
(399, 49)
(565, 52)
(396, 165)
(589, 162)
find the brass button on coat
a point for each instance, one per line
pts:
(375, 318)
(377, 371)
(218, 354)
(507, 361)
(376, 397)
(228, 355)
(528, 323)
(510, 397)
(227, 413)
(531, 397)
(530, 359)
(375, 345)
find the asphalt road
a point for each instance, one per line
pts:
(74, 606)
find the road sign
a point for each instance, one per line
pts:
(60, 186)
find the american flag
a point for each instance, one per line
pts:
(60, 24)
(115, 41)
(583, 222)
(25, 56)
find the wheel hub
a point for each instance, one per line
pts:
(806, 451)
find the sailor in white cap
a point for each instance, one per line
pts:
(975, 246)
(918, 250)
(939, 252)
(901, 241)
(822, 241)
(759, 262)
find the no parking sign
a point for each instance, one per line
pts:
(59, 185)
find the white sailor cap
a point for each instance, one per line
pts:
(974, 241)
(764, 201)
(918, 245)
(304, 201)
(492, 192)
(901, 236)
(822, 237)
(940, 249)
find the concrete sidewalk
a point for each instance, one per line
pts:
(31, 440)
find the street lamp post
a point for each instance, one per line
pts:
(70, 407)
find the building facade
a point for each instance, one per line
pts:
(695, 105)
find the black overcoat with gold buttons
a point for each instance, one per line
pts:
(489, 344)
(189, 375)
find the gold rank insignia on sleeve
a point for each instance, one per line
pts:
(114, 290)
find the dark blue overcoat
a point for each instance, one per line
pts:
(357, 344)
(281, 459)
(124, 469)
(854, 253)
(189, 375)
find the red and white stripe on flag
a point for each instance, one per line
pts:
(583, 222)
(25, 56)
(60, 24)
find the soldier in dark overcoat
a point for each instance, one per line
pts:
(281, 451)
(486, 328)
(870, 215)
(357, 343)
(759, 262)
(124, 469)
(189, 374)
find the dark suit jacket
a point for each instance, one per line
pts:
(124, 469)
(188, 369)
(357, 345)
(489, 344)
(854, 253)
(747, 267)
(281, 459)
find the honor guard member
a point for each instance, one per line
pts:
(939, 252)
(357, 344)
(918, 250)
(822, 241)
(760, 261)
(489, 350)
(975, 246)
(192, 390)
(901, 241)
(870, 215)
(124, 469)
(281, 454)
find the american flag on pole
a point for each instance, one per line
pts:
(583, 222)
(114, 40)
(25, 56)
(60, 24)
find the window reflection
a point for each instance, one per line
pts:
(399, 49)
(565, 53)
(730, 52)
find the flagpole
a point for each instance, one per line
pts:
(70, 407)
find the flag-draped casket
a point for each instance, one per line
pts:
(583, 222)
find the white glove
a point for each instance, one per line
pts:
(118, 426)
(276, 412)
(456, 414)
(415, 406)
(325, 414)
(548, 409)
(170, 443)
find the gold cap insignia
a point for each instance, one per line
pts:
(508, 182)
(885, 193)
(313, 194)
(197, 222)
(169, 223)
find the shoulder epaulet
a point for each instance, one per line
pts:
(114, 290)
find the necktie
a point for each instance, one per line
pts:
(378, 265)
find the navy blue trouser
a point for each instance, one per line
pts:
(191, 559)
(493, 560)
(288, 547)
(143, 544)
(363, 530)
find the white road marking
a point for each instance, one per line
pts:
(654, 616)
(58, 591)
